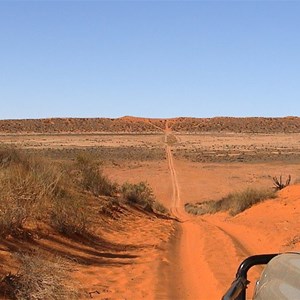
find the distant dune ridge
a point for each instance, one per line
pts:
(147, 125)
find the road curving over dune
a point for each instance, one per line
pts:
(204, 256)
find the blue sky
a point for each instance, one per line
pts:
(149, 58)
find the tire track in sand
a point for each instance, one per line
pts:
(191, 266)
(203, 253)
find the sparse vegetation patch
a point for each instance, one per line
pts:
(27, 185)
(70, 216)
(92, 178)
(171, 139)
(110, 206)
(279, 184)
(142, 195)
(234, 203)
(139, 193)
(37, 195)
(39, 278)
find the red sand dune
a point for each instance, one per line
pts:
(145, 257)
(269, 227)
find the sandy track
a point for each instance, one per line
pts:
(176, 205)
(198, 273)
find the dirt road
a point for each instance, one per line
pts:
(200, 275)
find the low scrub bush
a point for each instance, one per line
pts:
(39, 278)
(26, 186)
(160, 208)
(70, 216)
(110, 207)
(10, 156)
(92, 178)
(138, 193)
(142, 194)
(235, 203)
(12, 218)
(22, 197)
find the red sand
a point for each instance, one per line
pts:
(199, 259)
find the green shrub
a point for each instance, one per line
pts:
(235, 203)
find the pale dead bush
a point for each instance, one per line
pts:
(21, 198)
(39, 278)
(27, 187)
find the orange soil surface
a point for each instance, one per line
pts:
(129, 273)
(120, 261)
(191, 258)
(208, 250)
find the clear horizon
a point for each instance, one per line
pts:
(141, 117)
(151, 59)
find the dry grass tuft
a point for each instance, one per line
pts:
(39, 278)
(235, 203)
(27, 185)
(9, 156)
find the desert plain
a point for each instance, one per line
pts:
(137, 254)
